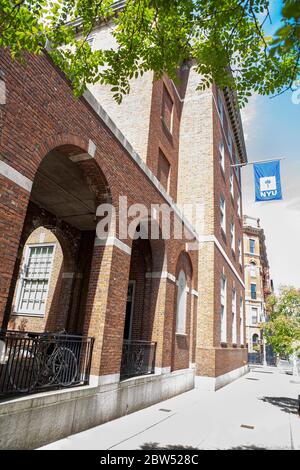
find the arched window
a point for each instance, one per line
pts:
(181, 304)
(252, 269)
(255, 339)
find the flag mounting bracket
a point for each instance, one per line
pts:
(258, 161)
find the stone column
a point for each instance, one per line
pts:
(158, 307)
(105, 309)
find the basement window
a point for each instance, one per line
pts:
(34, 281)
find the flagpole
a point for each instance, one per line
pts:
(258, 161)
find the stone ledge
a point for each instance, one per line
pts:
(33, 421)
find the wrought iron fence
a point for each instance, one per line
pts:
(138, 358)
(32, 362)
(257, 358)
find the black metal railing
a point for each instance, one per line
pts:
(32, 362)
(138, 358)
(257, 358)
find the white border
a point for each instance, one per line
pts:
(15, 176)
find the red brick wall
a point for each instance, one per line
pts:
(163, 171)
(164, 137)
(42, 114)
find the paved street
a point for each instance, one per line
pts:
(258, 411)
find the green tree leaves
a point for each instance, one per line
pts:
(224, 37)
(282, 330)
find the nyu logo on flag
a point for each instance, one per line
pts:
(267, 181)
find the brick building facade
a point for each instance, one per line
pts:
(62, 158)
(189, 140)
(258, 283)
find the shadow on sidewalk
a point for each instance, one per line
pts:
(248, 448)
(288, 405)
(155, 445)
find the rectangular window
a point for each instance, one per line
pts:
(222, 156)
(163, 170)
(223, 213)
(232, 235)
(254, 315)
(252, 269)
(241, 321)
(231, 183)
(234, 335)
(35, 279)
(223, 309)
(240, 252)
(220, 107)
(253, 291)
(252, 246)
(230, 143)
(167, 109)
(239, 211)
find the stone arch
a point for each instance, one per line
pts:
(148, 260)
(67, 188)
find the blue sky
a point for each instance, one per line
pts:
(272, 129)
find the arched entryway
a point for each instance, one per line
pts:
(141, 319)
(46, 310)
(67, 189)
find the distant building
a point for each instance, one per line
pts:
(258, 285)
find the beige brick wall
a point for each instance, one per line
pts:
(132, 116)
(195, 166)
(258, 280)
(200, 182)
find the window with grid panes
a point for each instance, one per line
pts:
(35, 279)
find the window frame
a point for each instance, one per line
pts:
(27, 312)
(256, 316)
(242, 339)
(239, 206)
(253, 297)
(181, 309)
(230, 143)
(222, 156)
(250, 250)
(234, 316)
(232, 235)
(220, 107)
(161, 157)
(253, 269)
(223, 309)
(169, 129)
(255, 343)
(223, 213)
(240, 250)
(231, 184)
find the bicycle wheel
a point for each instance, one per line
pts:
(23, 370)
(64, 366)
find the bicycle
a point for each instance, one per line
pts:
(47, 361)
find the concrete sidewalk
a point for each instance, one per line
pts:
(258, 411)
